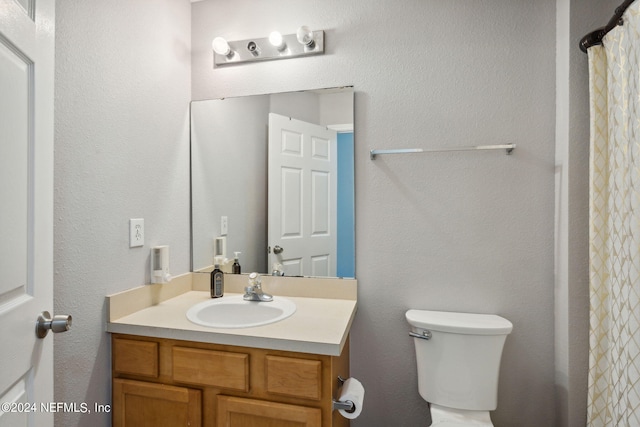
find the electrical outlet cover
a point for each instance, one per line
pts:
(136, 232)
(224, 225)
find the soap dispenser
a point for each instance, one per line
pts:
(160, 264)
(217, 280)
(236, 264)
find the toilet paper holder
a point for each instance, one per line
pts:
(347, 405)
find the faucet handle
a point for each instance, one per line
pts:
(254, 279)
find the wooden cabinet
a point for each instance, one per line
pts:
(223, 369)
(164, 382)
(142, 404)
(241, 412)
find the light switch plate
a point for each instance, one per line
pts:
(136, 232)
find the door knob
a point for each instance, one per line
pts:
(59, 323)
(277, 249)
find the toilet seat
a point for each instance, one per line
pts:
(449, 417)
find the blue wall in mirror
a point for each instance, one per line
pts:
(346, 215)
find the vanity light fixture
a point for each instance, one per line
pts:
(221, 47)
(305, 37)
(276, 40)
(277, 46)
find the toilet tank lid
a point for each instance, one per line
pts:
(459, 323)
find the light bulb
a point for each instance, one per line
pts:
(305, 36)
(220, 46)
(275, 38)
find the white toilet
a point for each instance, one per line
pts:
(458, 357)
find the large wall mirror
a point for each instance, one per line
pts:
(273, 175)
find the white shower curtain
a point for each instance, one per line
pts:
(614, 341)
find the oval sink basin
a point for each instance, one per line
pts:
(234, 312)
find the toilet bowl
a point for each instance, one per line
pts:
(442, 416)
(458, 361)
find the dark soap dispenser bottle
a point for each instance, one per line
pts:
(217, 281)
(236, 265)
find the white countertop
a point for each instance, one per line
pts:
(319, 325)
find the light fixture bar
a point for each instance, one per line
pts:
(260, 49)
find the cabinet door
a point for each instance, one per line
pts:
(239, 412)
(141, 404)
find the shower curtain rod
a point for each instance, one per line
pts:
(595, 37)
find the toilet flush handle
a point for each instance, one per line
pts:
(425, 335)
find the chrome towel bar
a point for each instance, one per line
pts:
(508, 147)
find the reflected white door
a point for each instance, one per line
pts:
(302, 196)
(26, 212)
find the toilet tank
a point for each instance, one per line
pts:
(458, 366)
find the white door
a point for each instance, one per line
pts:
(26, 209)
(302, 196)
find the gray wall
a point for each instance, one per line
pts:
(229, 162)
(122, 92)
(460, 231)
(474, 231)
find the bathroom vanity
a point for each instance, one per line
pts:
(169, 371)
(191, 383)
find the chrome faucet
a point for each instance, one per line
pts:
(254, 291)
(277, 269)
